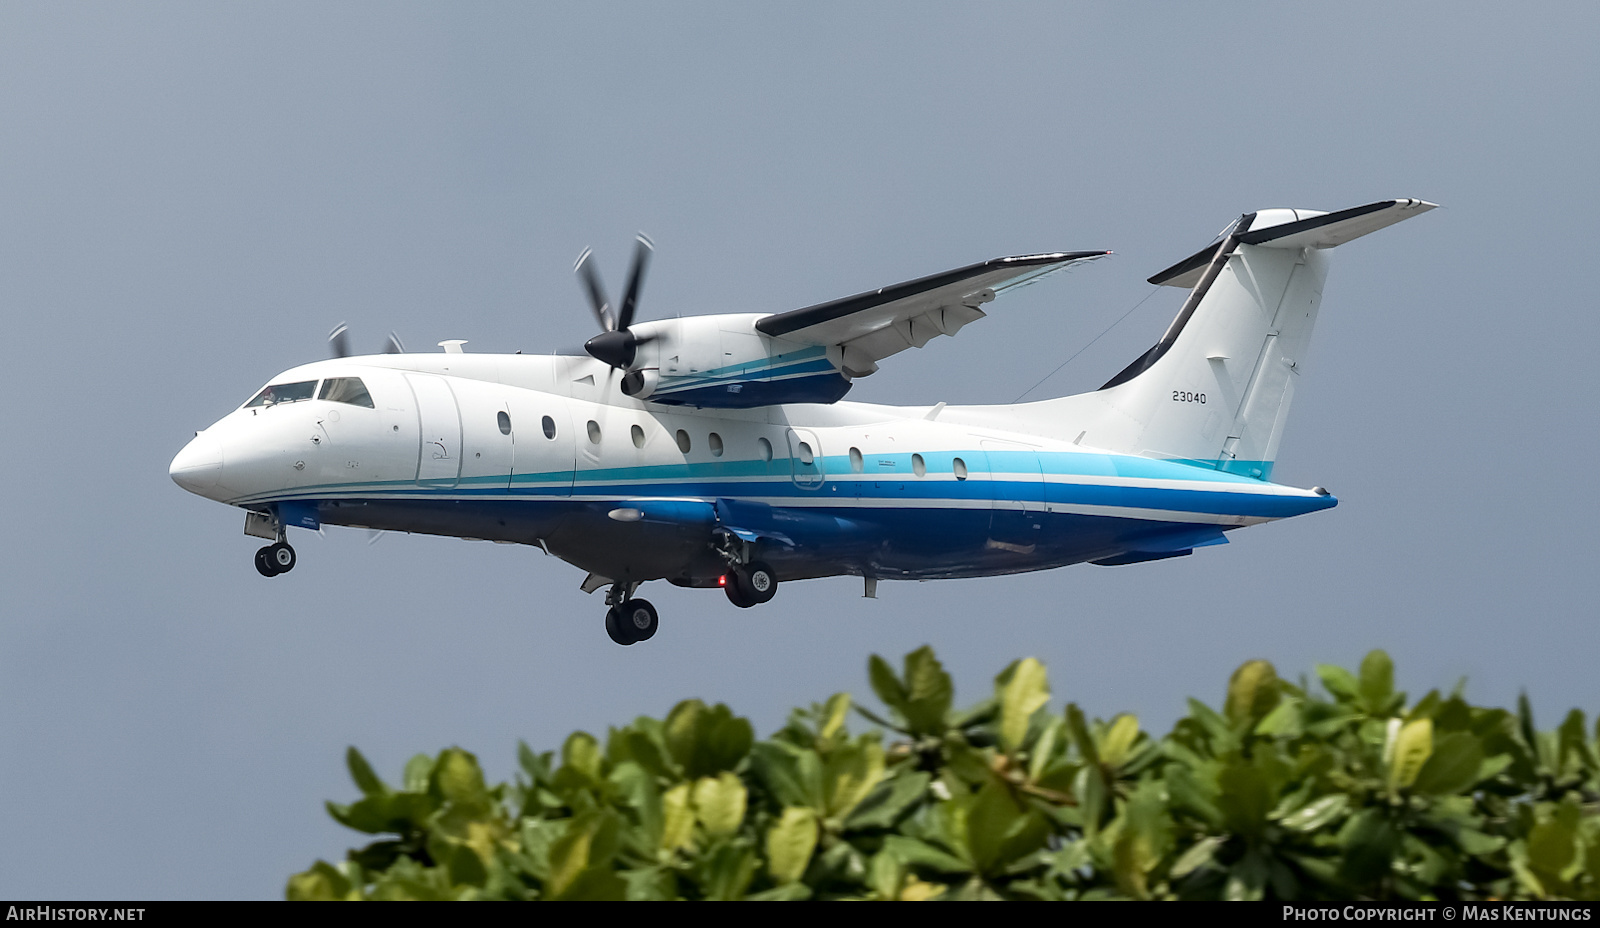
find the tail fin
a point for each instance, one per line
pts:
(1216, 389)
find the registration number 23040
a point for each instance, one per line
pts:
(1184, 396)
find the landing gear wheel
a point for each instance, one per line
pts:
(280, 557)
(639, 619)
(614, 626)
(738, 593)
(759, 580)
(263, 565)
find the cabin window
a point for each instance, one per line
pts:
(638, 436)
(715, 442)
(856, 461)
(504, 421)
(918, 466)
(766, 449)
(683, 441)
(960, 467)
(273, 394)
(807, 457)
(346, 390)
(549, 425)
(594, 432)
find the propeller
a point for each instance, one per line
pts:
(615, 345)
(339, 342)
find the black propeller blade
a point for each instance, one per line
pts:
(339, 342)
(615, 345)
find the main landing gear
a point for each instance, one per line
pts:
(750, 585)
(275, 559)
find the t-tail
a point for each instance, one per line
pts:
(1215, 390)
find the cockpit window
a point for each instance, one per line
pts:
(276, 393)
(346, 390)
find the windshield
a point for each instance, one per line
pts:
(346, 390)
(276, 393)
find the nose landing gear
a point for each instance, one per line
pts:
(629, 620)
(275, 559)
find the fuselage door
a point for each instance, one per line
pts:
(805, 459)
(439, 451)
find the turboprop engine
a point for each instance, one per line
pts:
(724, 362)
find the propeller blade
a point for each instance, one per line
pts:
(393, 345)
(339, 341)
(597, 293)
(642, 250)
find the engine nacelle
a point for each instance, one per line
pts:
(722, 362)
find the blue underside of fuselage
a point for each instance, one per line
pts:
(891, 527)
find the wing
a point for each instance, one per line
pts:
(874, 325)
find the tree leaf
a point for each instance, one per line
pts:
(1253, 691)
(1119, 739)
(1452, 767)
(1200, 854)
(322, 883)
(1377, 682)
(705, 741)
(849, 773)
(790, 843)
(361, 773)
(929, 692)
(677, 818)
(888, 686)
(1318, 814)
(915, 853)
(419, 770)
(1339, 682)
(1079, 729)
(1024, 693)
(1412, 748)
(719, 803)
(791, 774)
(890, 799)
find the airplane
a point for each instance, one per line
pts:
(717, 452)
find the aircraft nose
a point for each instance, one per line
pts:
(198, 465)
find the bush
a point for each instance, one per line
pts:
(1284, 794)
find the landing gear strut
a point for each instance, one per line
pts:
(629, 620)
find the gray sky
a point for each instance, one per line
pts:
(192, 195)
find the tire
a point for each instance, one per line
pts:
(737, 593)
(615, 629)
(263, 566)
(639, 619)
(280, 557)
(760, 581)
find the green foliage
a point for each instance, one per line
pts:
(1284, 794)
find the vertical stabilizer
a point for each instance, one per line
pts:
(1216, 389)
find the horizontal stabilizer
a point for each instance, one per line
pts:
(1297, 228)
